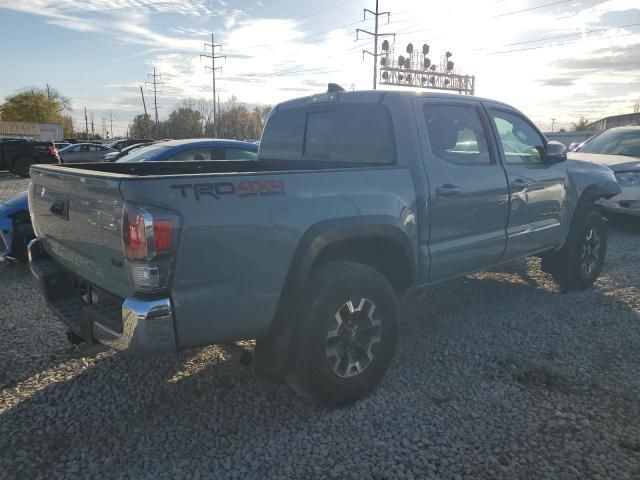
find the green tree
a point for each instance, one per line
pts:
(142, 127)
(183, 123)
(581, 125)
(35, 105)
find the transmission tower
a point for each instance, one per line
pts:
(111, 122)
(213, 69)
(375, 36)
(154, 81)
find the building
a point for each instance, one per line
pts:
(615, 121)
(567, 138)
(35, 131)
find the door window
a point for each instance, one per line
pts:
(239, 154)
(520, 141)
(198, 154)
(456, 134)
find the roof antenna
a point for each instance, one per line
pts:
(334, 87)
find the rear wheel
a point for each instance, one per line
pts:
(21, 166)
(346, 333)
(578, 265)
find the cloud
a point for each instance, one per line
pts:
(613, 59)
(559, 82)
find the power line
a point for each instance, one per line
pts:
(155, 84)
(559, 44)
(328, 9)
(213, 69)
(567, 35)
(530, 9)
(375, 36)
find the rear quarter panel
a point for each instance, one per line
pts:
(239, 235)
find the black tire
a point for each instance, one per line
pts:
(366, 341)
(579, 263)
(21, 166)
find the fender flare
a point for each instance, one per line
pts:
(273, 350)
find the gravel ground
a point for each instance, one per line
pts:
(498, 375)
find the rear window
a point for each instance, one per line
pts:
(350, 133)
(143, 154)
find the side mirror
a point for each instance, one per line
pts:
(555, 152)
(573, 146)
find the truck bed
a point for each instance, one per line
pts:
(163, 169)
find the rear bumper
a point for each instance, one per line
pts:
(138, 325)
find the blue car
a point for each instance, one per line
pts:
(15, 224)
(193, 150)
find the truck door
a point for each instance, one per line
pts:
(537, 188)
(469, 203)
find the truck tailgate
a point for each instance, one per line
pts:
(79, 215)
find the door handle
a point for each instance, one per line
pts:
(519, 185)
(448, 190)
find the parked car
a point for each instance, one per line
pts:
(619, 149)
(194, 150)
(16, 230)
(356, 198)
(84, 152)
(113, 156)
(120, 144)
(17, 154)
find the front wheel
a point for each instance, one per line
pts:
(579, 263)
(345, 335)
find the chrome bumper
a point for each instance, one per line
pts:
(137, 326)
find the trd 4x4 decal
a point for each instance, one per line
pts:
(246, 189)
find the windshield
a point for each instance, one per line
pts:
(614, 142)
(144, 154)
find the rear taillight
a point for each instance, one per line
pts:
(149, 243)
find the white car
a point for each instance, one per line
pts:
(619, 149)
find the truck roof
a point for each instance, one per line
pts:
(376, 95)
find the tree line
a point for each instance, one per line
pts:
(193, 118)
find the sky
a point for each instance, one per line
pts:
(553, 59)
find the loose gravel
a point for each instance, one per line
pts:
(497, 375)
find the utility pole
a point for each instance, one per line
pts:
(213, 69)
(86, 125)
(146, 115)
(111, 122)
(553, 123)
(93, 131)
(155, 84)
(375, 36)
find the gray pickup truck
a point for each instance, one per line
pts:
(357, 198)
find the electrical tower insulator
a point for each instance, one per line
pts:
(409, 78)
(385, 45)
(400, 77)
(433, 68)
(432, 80)
(383, 61)
(401, 61)
(427, 63)
(385, 75)
(448, 54)
(449, 65)
(410, 48)
(446, 81)
(425, 49)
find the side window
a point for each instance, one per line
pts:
(240, 154)
(198, 154)
(84, 148)
(456, 134)
(520, 142)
